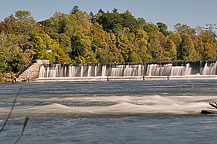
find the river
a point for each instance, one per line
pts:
(110, 112)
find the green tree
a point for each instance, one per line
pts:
(141, 23)
(74, 10)
(3, 59)
(186, 47)
(162, 28)
(133, 57)
(11, 54)
(183, 28)
(129, 21)
(155, 47)
(99, 44)
(64, 41)
(112, 43)
(150, 27)
(115, 21)
(209, 51)
(57, 22)
(23, 15)
(198, 46)
(175, 37)
(141, 43)
(122, 44)
(48, 49)
(170, 50)
(78, 29)
(25, 23)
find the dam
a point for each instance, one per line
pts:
(178, 69)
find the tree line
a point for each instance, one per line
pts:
(104, 37)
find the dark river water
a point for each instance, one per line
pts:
(114, 112)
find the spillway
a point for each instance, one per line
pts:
(150, 69)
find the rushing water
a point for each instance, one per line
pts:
(116, 112)
(99, 70)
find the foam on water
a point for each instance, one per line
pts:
(122, 105)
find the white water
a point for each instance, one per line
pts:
(124, 70)
(209, 70)
(122, 105)
(168, 69)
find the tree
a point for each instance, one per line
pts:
(150, 27)
(115, 10)
(170, 50)
(79, 37)
(23, 15)
(198, 46)
(58, 22)
(205, 44)
(115, 22)
(141, 45)
(175, 37)
(99, 45)
(155, 47)
(183, 28)
(162, 28)
(64, 41)
(111, 40)
(209, 51)
(46, 48)
(111, 22)
(78, 28)
(8, 26)
(133, 57)
(101, 11)
(129, 21)
(3, 59)
(74, 10)
(186, 47)
(141, 23)
(11, 54)
(25, 23)
(28, 56)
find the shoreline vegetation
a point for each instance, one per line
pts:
(104, 37)
(4, 79)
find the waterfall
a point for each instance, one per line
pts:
(209, 70)
(183, 68)
(168, 70)
(96, 67)
(103, 70)
(117, 71)
(89, 71)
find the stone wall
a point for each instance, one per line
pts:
(33, 71)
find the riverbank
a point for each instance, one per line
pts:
(4, 80)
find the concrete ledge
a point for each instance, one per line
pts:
(127, 78)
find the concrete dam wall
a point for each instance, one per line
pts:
(150, 69)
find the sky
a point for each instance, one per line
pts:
(170, 12)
